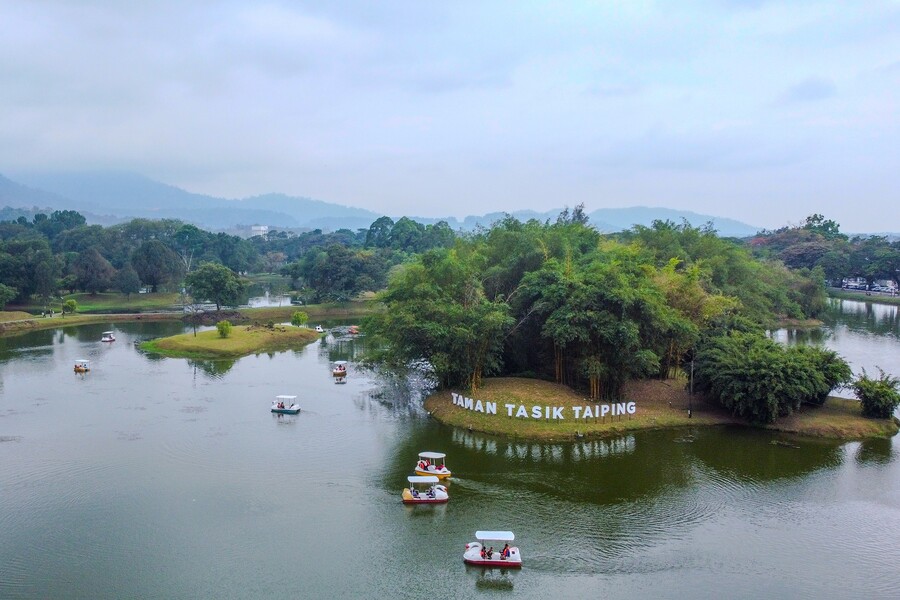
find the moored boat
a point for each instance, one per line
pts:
(285, 405)
(424, 489)
(505, 557)
(432, 463)
(354, 329)
(319, 329)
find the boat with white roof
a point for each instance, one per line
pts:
(432, 463)
(482, 553)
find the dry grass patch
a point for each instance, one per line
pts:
(14, 315)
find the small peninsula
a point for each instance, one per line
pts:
(657, 405)
(241, 341)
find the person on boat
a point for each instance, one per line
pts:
(483, 552)
(415, 492)
(490, 552)
(504, 554)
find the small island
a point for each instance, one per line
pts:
(241, 341)
(656, 404)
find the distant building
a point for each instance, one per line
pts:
(259, 230)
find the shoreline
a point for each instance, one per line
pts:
(236, 316)
(658, 405)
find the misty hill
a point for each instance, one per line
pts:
(109, 197)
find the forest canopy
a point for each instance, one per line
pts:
(560, 301)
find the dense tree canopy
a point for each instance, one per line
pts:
(215, 283)
(562, 302)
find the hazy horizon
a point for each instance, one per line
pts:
(745, 109)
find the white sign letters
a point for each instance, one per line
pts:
(538, 411)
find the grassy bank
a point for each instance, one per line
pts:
(660, 404)
(876, 297)
(242, 341)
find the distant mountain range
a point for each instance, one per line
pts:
(107, 198)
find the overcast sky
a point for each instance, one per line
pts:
(760, 111)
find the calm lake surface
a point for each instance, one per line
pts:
(165, 478)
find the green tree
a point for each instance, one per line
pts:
(6, 294)
(216, 283)
(299, 318)
(69, 306)
(156, 264)
(879, 396)
(379, 233)
(224, 328)
(437, 310)
(126, 280)
(93, 273)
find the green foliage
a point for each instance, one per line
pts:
(759, 380)
(6, 294)
(224, 328)
(437, 310)
(126, 280)
(93, 273)
(216, 283)
(69, 306)
(299, 318)
(156, 264)
(879, 397)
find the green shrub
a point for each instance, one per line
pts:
(760, 380)
(299, 318)
(879, 397)
(224, 328)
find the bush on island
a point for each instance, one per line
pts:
(760, 380)
(299, 318)
(224, 328)
(879, 397)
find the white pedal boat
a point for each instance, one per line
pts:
(285, 405)
(339, 369)
(494, 555)
(432, 463)
(424, 489)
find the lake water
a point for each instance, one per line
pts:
(165, 478)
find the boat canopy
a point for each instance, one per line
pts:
(422, 479)
(495, 536)
(108, 332)
(82, 361)
(285, 399)
(432, 455)
(340, 362)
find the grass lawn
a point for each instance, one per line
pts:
(242, 341)
(111, 303)
(7, 316)
(660, 404)
(876, 297)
